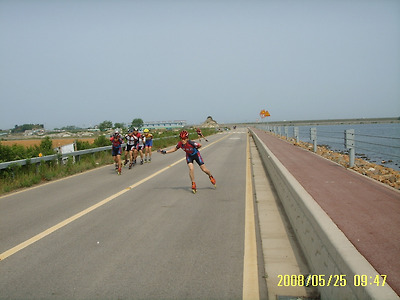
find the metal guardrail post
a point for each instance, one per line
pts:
(350, 144)
(313, 137)
(296, 134)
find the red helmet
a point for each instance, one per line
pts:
(184, 134)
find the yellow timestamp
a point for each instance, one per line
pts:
(365, 280)
(330, 280)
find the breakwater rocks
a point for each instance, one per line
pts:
(383, 174)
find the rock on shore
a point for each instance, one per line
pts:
(383, 174)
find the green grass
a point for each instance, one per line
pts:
(17, 177)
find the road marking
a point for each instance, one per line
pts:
(52, 229)
(250, 268)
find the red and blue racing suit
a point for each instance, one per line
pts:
(116, 145)
(192, 153)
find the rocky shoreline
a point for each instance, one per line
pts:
(378, 172)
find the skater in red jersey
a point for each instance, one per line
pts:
(200, 134)
(117, 142)
(192, 154)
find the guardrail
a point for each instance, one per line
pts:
(387, 147)
(38, 160)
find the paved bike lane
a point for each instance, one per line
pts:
(366, 211)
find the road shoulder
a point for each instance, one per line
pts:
(282, 255)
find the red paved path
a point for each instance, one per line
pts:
(367, 211)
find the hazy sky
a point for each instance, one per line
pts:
(81, 62)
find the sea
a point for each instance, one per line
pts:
(377, 143)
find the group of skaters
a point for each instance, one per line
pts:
(136, 142)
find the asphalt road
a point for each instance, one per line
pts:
(141, 235)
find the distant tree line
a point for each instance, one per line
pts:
(103, 126)
(22, 128)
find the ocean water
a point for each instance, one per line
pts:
(375, 143)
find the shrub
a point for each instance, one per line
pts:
(102, 141)
(82, 145)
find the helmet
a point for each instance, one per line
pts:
(135, 129)
(146, 130)
(184, 134)
(116, 132)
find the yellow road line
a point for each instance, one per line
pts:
(250, 268)
(52, 229)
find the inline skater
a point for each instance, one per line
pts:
(192, 154)
(117, 142)
(130, 144)
(139, 145)
(200, 134)
(147, 145)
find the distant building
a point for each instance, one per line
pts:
(164, 124)
(28, 132)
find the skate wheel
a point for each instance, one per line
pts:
(194, 191)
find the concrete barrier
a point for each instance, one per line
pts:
(326, 248)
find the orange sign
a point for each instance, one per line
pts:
(264, 113)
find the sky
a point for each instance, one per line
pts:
(82, 62)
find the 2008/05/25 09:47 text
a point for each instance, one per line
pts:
(331, 280)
